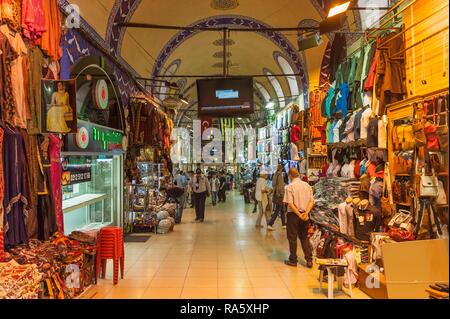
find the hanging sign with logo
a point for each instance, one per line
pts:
(101, 94)
(76, 170)
(95, 138)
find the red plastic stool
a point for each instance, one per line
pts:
(110, 246)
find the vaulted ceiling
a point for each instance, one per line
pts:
(167, 52)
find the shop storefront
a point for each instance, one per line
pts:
(92, 159)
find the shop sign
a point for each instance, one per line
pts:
(76, 170)
(94, 138)
(101, 94)
(82, 138)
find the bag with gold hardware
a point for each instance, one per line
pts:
(418, 124)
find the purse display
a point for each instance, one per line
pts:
(442, 128)
(402, 220)
(428, 185)
(431, 136)
(403, 137)
(418, 127)
(441, 198)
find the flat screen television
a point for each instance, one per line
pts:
(225, 97)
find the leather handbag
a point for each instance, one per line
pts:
(442, 129)
(404, 137)
(441, 198)
(431, 136)
(418, 125)
(428, 185)
(402, 219)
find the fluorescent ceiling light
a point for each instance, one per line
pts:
(270, 105)
(339, 9)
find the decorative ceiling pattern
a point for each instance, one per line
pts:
(148, 52)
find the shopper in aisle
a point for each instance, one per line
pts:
(215, 184)
(200, 190)
(180, 180)
(277, 199)
(189, 189)
(299, 198)
(222, 189)
(255, 175)
(262, 193)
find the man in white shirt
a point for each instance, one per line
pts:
(299, 198)
(262, 192)
(200, 190)
(215, 184)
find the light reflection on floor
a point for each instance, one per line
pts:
(225, 257)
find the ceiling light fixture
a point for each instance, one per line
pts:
(270, 105)
(338, 9)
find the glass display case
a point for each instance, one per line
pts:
(96, 197)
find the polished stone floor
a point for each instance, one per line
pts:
(225, 257)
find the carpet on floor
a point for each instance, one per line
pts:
(136, 238)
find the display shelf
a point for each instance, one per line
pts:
(81, 201)
(317, 155)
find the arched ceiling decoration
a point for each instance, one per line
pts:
(149, 52)
(227, 21)
(286, 68)
(277, 87)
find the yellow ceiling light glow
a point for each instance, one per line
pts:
(341, 8)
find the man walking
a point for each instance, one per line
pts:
(215, 184)
(299, 198)
(278, 196)
(180, 181)
(200, 190)
(262, 197)
(222, 188)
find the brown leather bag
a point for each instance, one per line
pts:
(418, 124)
(442, 129)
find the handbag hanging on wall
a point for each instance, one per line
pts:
(442, 129)
(428, 185)
(418, 127)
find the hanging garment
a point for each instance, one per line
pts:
(295, 133)
(336, 131)
(55, 172)
(338, 53)
(2, 185)
(33, 21)
(349, 129)
(328, 100)
(46, 209)
(390, 73)
(50, 41)
(382, 132)
(19, 116)
(35, 62)
(15, 202)
(357, 125)
(7, 103)
(30, 164)
(342, 100)
(372, 133)
(365, 119)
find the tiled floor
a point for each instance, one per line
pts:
(225, 257)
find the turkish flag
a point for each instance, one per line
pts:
(206, 123)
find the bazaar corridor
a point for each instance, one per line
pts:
(224, 257)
